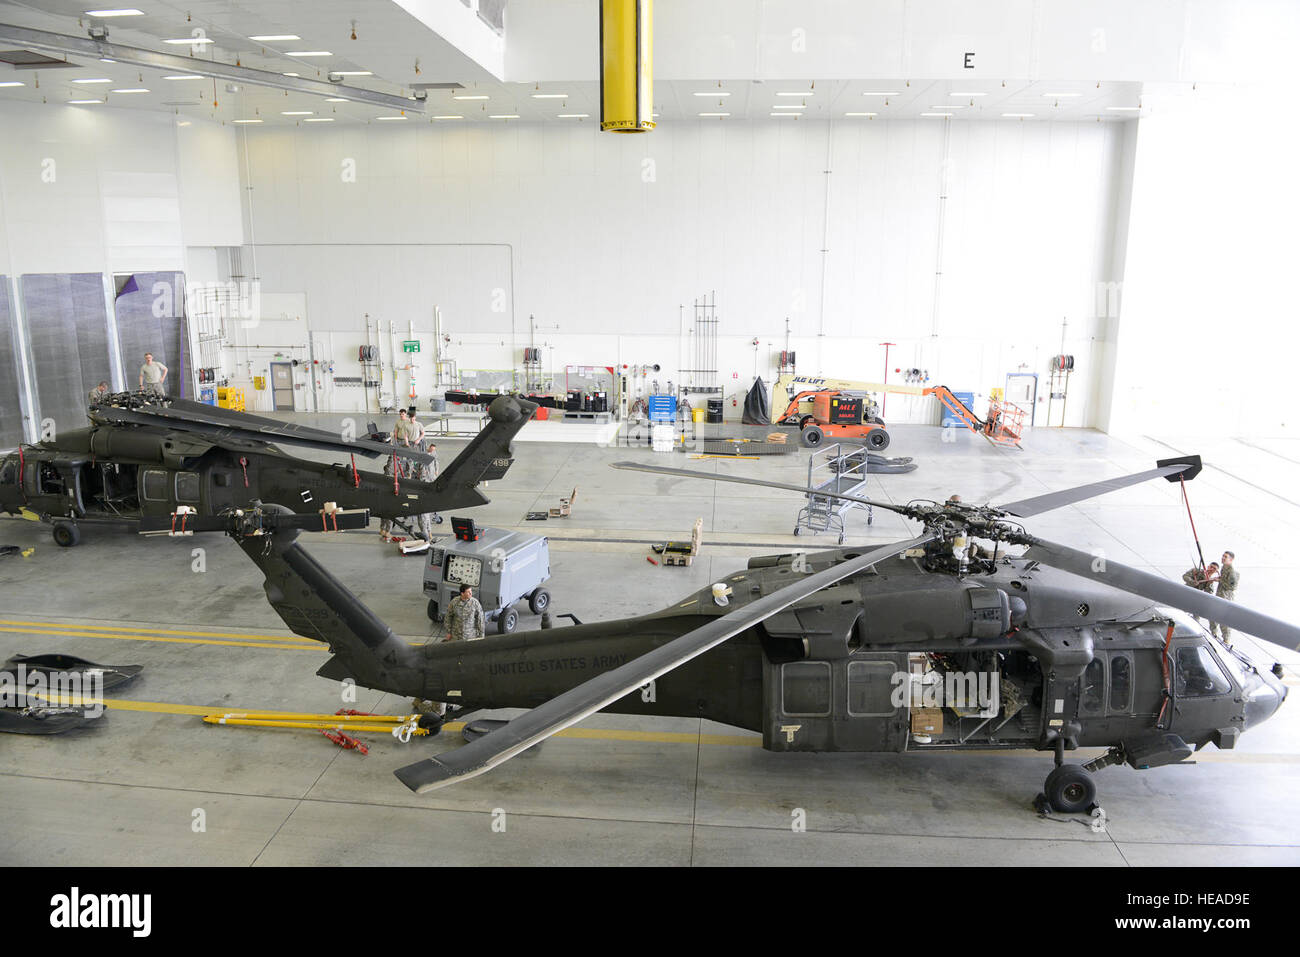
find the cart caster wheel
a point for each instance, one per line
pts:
(841, 539)
(437, 519)
(507, 620)
(796, 530)
(539, 601)
(432, 609)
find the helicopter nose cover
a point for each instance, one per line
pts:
(1263, 699)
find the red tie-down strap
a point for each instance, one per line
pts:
(356, 479)
(184, 515)
(397, 471)
(329, 514)
(243, 464)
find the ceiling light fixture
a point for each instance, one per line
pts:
(470, 96)
(713, 114)
(336, 99)
(450, 116)
(183, 76)
(246, 121)
(572, 116)
(550, 96)
(272, 37)
(503, 116)
(96, 80)
(84, 102)
(388, 118)
(714, 93)
(936, 114)
(308, 53)
(795, 115)
(295, 112)
(320, 119)
(190, 41)
(13, 83)
(861, 114)
(128, 12)
(132, 90)
(353, 73)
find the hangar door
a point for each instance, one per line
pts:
(150, 310)
(11, 423)
(67, 329)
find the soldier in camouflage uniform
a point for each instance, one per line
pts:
(426, 472)
(1227, 588)
(465, 619)
(401, 435)
(99, 394)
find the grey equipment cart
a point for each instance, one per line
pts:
(832, 469)
(503, 568)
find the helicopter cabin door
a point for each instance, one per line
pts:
(846, 704)
(282, 386)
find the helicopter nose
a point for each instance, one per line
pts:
(1263, 699)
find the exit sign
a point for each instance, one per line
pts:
(410, 345)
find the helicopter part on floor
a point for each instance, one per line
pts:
(55, 668)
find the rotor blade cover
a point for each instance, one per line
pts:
(589, 697)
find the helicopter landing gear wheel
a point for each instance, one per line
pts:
(66, 534)
(1070, 789)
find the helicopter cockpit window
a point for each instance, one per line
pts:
(1094, 688)
(1198, 673)
(1121, 684)
(155, 485)
(187, 487)
(806, 688)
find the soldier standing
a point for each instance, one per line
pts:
(1227, 589)
(401, 435)
(152, 376)
(465, 618)
(1202, 579)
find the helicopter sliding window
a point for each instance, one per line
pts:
(806, 688)
(155, 486)
(187, 486)
(871, 687)
(1198, 674)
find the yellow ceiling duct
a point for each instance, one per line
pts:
(626, 66)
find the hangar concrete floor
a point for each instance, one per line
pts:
(616, 789)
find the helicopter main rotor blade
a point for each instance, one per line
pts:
(739, 480)
(589, 697)
(1165, 592)
(1168, 469)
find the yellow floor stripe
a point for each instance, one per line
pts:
(150, 631)
(666, 737)
(128, 636)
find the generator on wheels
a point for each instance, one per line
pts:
(836, 414)
(503, 568)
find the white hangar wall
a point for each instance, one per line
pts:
(603, 238)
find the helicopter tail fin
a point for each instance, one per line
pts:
(488, 456)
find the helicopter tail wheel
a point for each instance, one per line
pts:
(1070, 789)
(66, 534)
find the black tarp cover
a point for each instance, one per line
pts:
(756, 406)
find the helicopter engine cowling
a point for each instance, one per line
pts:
(170, 449)
(936, 614)
(837, 621)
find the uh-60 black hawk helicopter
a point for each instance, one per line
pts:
(145, 458)
(809, 650)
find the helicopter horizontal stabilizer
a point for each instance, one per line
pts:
(1164, 592)
(577, 703)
